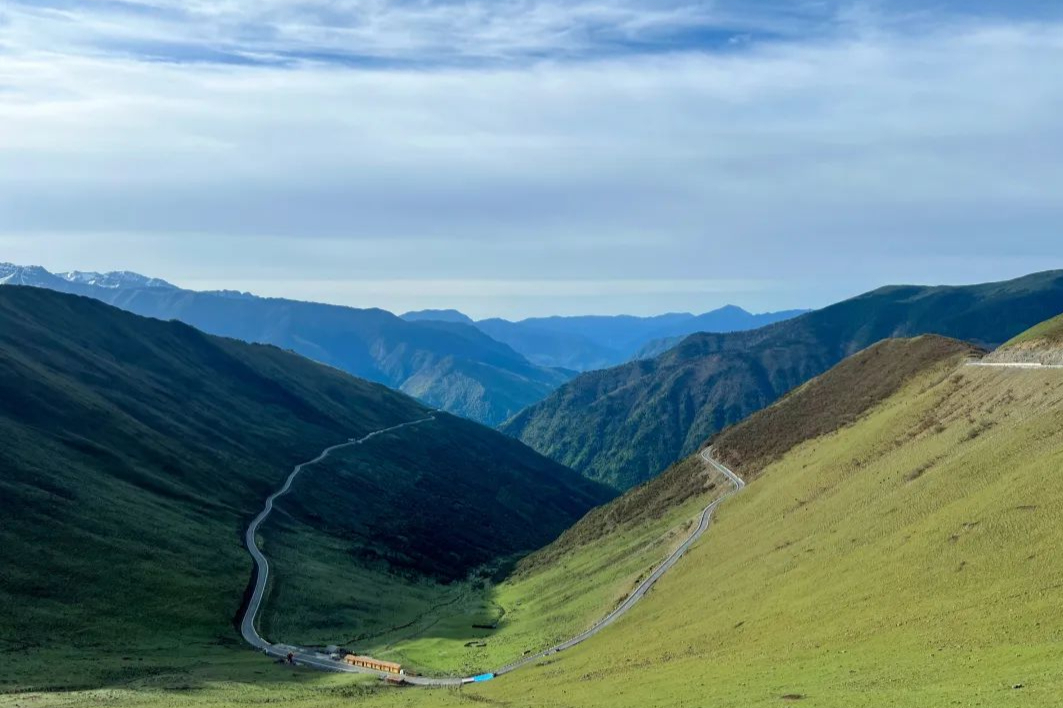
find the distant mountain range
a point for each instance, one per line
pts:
(486, 371)
(592, 342)
(438, 316)
(35, 276)
(624, 425)
(115, 280)
(449, 365)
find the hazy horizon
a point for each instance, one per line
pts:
(519, 159)
(360, 294)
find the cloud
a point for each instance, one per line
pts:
(838, 154)
(366, 31)
(428, 32)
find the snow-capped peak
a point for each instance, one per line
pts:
(114, 280)
(11, 274)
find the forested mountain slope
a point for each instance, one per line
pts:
(624, 425)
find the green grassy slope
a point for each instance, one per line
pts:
(557, 592)
(1049, 332)
(552, 595)
(1042, 344)
(401, 520)
(623, 425)
(908, 558)
(136, 451)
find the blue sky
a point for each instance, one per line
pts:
(532, 157)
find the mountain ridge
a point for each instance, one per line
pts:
(458, 368)
(437, 316)
(589, 342)
(623, 425)
(1042, 345)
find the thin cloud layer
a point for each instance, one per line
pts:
(426, 32)
(389, 31)
(817, 147)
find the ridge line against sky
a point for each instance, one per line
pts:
(530, 158)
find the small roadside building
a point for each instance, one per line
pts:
(367, 662)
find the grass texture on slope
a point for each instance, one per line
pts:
(336, 585)
(552, 596)
(836, 399)
(1050, 332)
(909, 559)
(547, 603)
(1042, 344)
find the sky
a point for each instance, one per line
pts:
(530, 157)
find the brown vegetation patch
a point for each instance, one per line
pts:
(979, 430)
(836, 399)
(919, 472)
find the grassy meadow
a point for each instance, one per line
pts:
(909, 559)
(327, 592)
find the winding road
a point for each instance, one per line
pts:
(645, 585)
(318, 660)
(302, 656)
(1014, 365)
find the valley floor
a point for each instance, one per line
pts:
(473, 626)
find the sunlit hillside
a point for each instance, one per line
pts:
(907, 558)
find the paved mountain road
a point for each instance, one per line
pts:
(318, 660)
(645, 585)
(305, 657)
(1015, 365)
